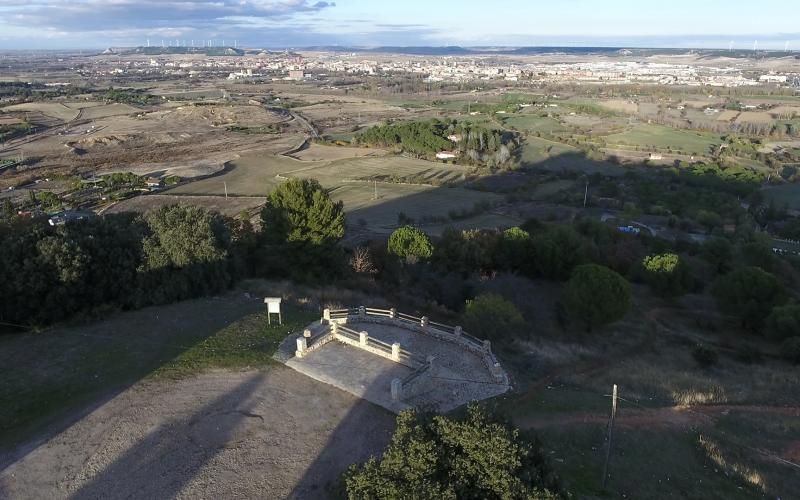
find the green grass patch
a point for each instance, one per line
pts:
(248, 342)
(533, 123)
(658, 137)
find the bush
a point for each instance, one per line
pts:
(471, 458)
(410, 243)
(749, 293)
(783, 322)
(704, 355)
(790, 350)
(666, 274)
(491, 316)
(597, 295)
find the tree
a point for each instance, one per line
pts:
(749, 293)
(557, 252)
(515, 251)
(666, 274)
(301, 225)
(475, 457)
(783, 322)
(411, 244)
(718, 252)
(491, 316)
(597, 295)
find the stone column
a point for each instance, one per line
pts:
(334, 328)
(302, 345)
(362, 338)
(393, 313)
(423, 322)
(307, 333)
(326, 314)
(362, 312)
(396, 351)
(397, 389)
(457, 331)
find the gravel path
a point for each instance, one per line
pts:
(254, 434)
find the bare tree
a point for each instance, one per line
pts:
(361, 261)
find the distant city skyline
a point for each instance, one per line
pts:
(41, 24)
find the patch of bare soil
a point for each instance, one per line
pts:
(251, 434)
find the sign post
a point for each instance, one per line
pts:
(273, 307)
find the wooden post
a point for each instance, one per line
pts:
(610, 433)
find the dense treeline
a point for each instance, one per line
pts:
(126, 261)
(477, 145)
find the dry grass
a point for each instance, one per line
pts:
(731, 468)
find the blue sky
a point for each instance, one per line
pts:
(297, 23)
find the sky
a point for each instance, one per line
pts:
(51, 24)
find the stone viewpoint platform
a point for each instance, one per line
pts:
(395, 360)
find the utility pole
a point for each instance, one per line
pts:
(585, 196)
(376, 190)
(226, 189)
(610, 433)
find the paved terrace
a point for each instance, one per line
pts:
(395, 360)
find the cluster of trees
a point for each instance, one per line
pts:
(476, 144)
(123, 261)
(440, 457)
(129, 96)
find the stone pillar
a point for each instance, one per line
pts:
(302, 345)
(326, 314)
(397, 389)
(432, 365)
(362, 338)
(307, 333)
(396, 351)
(424, 322)
(334, 327)
(362, 312)
(393, 313)
(487, 346)
(457, 331)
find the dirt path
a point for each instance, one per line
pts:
(253, 434)
(670, 416)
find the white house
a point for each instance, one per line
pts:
(445, 155)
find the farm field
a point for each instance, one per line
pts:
(103, 111)
(661, 137)
(52, 109)
(318, 152)
(231, 206)
(532, 123)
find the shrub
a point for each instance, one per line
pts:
(597, 295)
(704, 355)
(411, 244)
(472, 457)
(666, 274)
(749, 293)
(783, 322)
(491, 316)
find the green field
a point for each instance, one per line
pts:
(532, 123)
(659, 137)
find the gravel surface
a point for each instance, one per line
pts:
(253, 434)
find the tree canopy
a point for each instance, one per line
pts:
(749, 293)
(475, 457)
(597, 295)
(410, 243)
(491, 316)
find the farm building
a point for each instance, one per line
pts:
(446, 154)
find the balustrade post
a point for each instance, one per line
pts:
(302, 346)
(396, 351)
(362, 338)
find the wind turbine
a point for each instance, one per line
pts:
(755, 45)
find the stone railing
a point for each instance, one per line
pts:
(440, 331)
